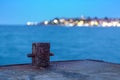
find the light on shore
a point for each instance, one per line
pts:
(55, 21)
(46, 22)
(29, 23)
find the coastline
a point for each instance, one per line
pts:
(82, 21)
(69, 26)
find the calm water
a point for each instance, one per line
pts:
(66, 43)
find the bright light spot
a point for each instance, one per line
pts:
(29, 23)
(80, 23)
(104, 24)
(46, 22)
(118, 25)
(92, 23)
(86, 24)
(109, 24)
(96, 23)
(114, 23)
(71, 24)
(55, 21)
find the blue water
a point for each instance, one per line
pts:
(73, 43)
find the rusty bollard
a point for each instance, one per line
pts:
(40, 54)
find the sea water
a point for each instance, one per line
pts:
(67, 43)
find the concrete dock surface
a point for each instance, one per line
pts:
(63, 70)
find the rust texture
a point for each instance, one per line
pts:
(40, 54)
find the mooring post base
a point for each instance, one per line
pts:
(40, 54)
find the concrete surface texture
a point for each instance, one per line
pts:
(64, 70)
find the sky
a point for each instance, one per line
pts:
(14, 12)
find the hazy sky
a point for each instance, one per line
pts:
(21, 11)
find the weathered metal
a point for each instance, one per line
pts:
(40, 54)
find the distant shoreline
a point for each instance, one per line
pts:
(83, 21)
(69, 26)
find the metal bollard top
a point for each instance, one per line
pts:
(40, 54)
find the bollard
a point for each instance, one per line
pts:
(40, 54)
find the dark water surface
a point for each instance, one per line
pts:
(66, 43)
